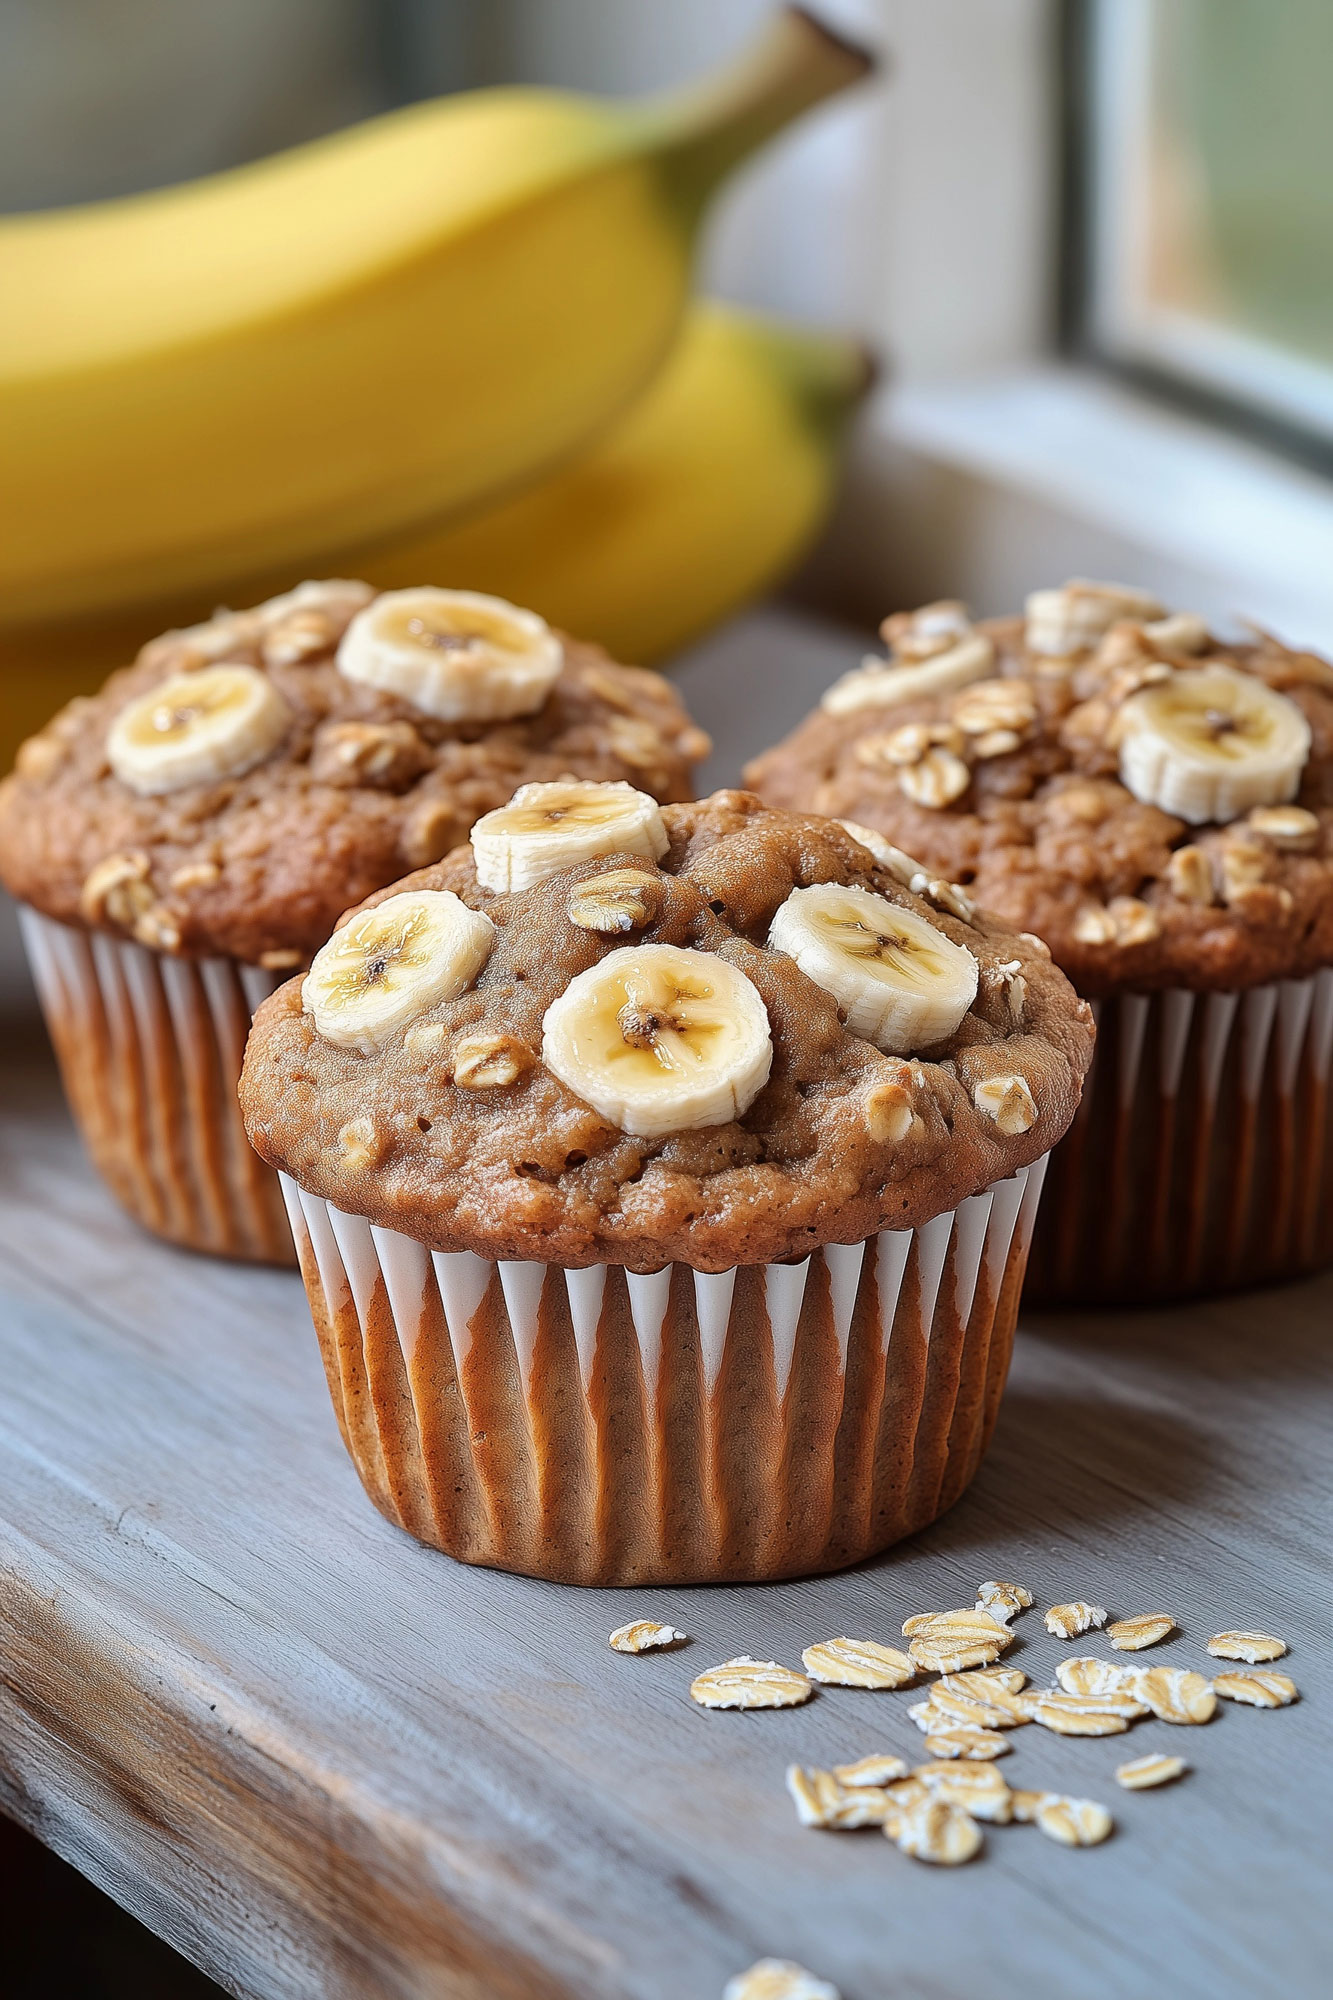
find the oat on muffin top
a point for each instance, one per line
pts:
(732, 1038)
(1152, 800)
(243, 781)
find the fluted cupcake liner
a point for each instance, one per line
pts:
(150, 1051)
(1201, 1157)
(601, 1427)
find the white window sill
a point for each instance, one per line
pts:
(1072, 463)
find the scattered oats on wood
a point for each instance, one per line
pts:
(956, 1624)
(935, 1831)
(642, 1636)
(1082, 1715)
(1067, 1621)
(822, 1801)
(747, 1683)
(906, 1794)
(1023, 1806)
(860, 1663)
(1073, 1822)
(984, 1681)
(1175, 1694)
(1002, 1601)
(1089, 1676)
(879, 1768)
(953, 1656)
(974, 1711)
(927, 1716)
(1131, 1635)
(778, 1979)
(968, 1741)
(1257, 1690)
(1250, 1646)
(978, 1789)
(1144, 1774)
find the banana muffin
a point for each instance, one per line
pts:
(1156, 803)
(189, 835)
(662, 1181)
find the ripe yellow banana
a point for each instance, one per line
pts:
(357, 336)
(699, 499)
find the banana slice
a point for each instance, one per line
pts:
(1210, 743)
(876, 684)
(1060, 622)
(194, 728)
(545, 828)
(453, 654)
(393, 962)
(660, 1039)
(901, 983)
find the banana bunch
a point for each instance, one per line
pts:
(699, 499)
(241, 377)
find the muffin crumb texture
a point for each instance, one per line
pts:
(347, 785)
(455, 1130)
(1119, 781)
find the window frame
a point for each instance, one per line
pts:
(1221, 380)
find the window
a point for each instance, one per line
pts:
(1207, 204)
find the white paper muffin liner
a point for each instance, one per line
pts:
(597, 1426)
(150, 1051)
(1201, 1157)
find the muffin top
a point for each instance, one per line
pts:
(245, 780)
(714, 1034)
(1153, 801)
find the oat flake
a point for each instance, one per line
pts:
(643, 1635)
(879, 1768)
(1131, 1635)
(965, 1740)
(778, 1979)
(860, 1663)
(1073, 1822)
(936, 1831)
(1175, 1694)
(1144, 1774)
(1067, 1621)
(747, 1683)
(1251, 1646)
(1257, 1690)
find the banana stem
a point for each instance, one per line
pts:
(705, 130)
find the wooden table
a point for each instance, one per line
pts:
(327, 1763)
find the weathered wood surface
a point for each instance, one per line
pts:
(327, 1763)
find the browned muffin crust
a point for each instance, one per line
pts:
(531, 1171)
(363, 787)
(1047, 838)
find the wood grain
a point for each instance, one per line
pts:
(326, 1762)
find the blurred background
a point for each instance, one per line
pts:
(1090, 241)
